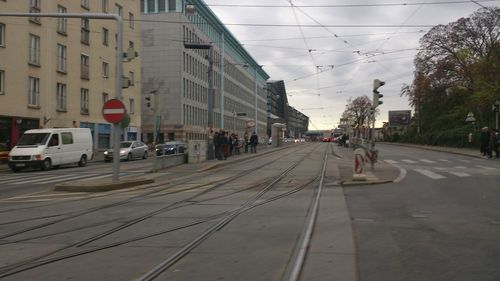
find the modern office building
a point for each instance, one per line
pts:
(58, 72)
(176, 61)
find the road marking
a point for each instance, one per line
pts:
(444, 160)
(430, 174)
(47, 179)
(463, 160)
(460, 167)
(24, 178)
(486, 167)
(427, 161)
(70, 178)
(402, 171)
(458, 174)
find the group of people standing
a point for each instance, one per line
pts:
(227, 144)
(490, 142)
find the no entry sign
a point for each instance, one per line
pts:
(113, 111)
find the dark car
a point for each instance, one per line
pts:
(171, 147)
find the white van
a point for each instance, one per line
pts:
(45, 148)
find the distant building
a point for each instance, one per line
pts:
(177, 75)
(279, 111)
(59, 72)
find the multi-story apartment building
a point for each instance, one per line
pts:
(58, 72)
(176, 74)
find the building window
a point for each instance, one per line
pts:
(85, 32)
(61, 97)
(131, 106)
(171, 5)
(2, 35)
(105, 69)
(105, 36)
(61, 58)
(131, 76)
(62, 22)
(105, 6)
(105, 97)
(131, 45)
(85, 4)
(84, 66)
(161, 6)
(34, 53)
(131, 20)
(151, 6)
(35, 8)
(118, 10)
(2, 82)
(84, 101)
(34, 91)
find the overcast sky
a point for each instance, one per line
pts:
(362, 43)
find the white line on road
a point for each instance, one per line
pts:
(444, 160)
(486, 167)
(409, 161)
(392, 162)
(458, 174)
(430, 174)
(427, 161)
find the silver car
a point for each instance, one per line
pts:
(128, 150)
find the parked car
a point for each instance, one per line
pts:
(128, 150)
(171, 147)
(4, 152)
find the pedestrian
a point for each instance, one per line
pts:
(484, 140)
(254, 140)
(496, 143)
(246, 141)
(224, 145)
(491, 143)
(217, 146)
(237, 145)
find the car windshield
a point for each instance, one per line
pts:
(34, 139)
(125, 144)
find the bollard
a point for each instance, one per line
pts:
(359, 163)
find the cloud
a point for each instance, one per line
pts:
(302, 58)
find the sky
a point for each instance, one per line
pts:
(330, 51)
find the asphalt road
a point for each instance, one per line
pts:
(441, 221)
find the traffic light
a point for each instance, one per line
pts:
(376, 95)
(149, 101)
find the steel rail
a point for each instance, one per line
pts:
(300, 258)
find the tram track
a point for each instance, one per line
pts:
(8, 270)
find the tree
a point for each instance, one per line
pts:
(357, 111)
(457, 71)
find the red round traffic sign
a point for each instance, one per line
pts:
(113, 111)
